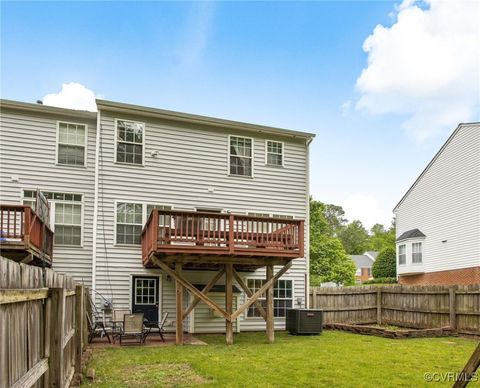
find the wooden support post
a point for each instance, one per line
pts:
(57, 324)
(453, 308)
(270, 318)
(467, 373)
(79, 316)
(179, 306)
(379, 306)
(229, 302)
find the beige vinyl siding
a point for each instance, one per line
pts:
(190, 161)
(445, 205)
(28, 151)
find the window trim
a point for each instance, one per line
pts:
(57, 143)
(52, 213)
(246, 279)
(266, 154)
(115, 142)
(252, 158)
(405, 254)
(116, 202)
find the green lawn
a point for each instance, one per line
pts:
(334, 359)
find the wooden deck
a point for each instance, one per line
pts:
(24, 237)
(201, 240)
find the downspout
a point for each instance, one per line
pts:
(95, 206)
(307, 227)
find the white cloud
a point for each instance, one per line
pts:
(345, 108)
(366, 209)
(73, 96)
(426, 66)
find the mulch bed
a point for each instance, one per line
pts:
(391, 333)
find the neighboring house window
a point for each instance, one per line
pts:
(130, 140)
(402, 254)
(72, 141)
(129, 223)
(240, 154)
(274, 153)
(282, 293)
(417, 252)
(66, 213)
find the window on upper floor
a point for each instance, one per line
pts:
(71, 143)
(66, 213)
(402, 254)
(241, 156)
(282, 296)
(417, 252)
(129, 223)
(130, 140)
(274, 153)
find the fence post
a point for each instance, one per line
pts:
(379, 306)
(79, 308)
(57, 320)
(453, 308)
(314, 298)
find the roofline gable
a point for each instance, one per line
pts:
(450, 138)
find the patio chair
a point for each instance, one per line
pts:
(133, 327)
(96, 327)
(156, 326)
(117, 321)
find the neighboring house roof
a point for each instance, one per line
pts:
(372, 254)
(414, 233)
(197, 119)
(432, 161)
(362, 261)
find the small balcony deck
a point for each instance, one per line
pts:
(24, 237)
(206, 240)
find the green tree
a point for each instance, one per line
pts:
(328, 260)
(385, 266)
(354, 238)
(335, 217)
(381, 238)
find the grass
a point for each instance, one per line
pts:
(336, 359)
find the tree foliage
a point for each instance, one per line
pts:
(385, 265)
(354, 238)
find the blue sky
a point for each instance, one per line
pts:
(295, 65)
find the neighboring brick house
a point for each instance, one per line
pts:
(438, 219)
(364, 265)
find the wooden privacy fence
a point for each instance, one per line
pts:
(42, 326)
(417, 307)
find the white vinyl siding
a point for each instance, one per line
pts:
(444, 204)
(71, 143)
(130, 142)
(416, 252)
(402, 254)
(241, 156)
(274, 153)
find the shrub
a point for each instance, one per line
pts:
(385, 266)
(380, 281)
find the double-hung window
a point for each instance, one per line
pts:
(241, 156)
(72, 143)
(66, 213)
(282, 294)
(274, 153)
(417, 253)
(130, 142)
(129, 223)
(402, 254)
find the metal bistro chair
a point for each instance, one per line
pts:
(157, 326)
(96, 327)
(117, 321)
(133, 327)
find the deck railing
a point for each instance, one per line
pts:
(20, 225)
(169, 231)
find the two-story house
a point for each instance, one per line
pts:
(438, 219)
(214, 192)
(363, 264)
